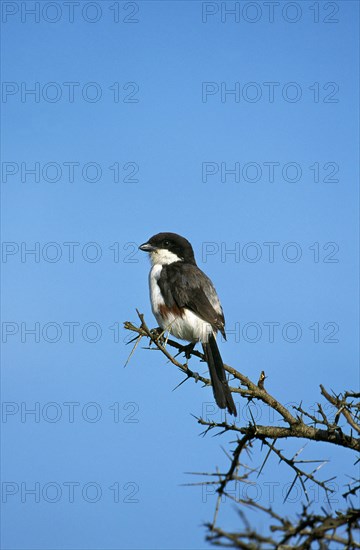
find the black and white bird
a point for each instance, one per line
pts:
(185, 303)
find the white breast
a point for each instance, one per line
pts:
(189, 327)
(155, 294)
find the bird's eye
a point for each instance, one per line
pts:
(166, 243)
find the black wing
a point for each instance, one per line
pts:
(185, 285)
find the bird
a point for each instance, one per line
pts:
(185, 304)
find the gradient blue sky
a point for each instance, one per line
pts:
(128, 464)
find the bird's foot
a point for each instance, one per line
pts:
(187, 350)
(158, 334)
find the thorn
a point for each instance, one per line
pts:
(134, 348)
(181, 383)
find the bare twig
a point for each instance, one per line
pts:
(284, 534)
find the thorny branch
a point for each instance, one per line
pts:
(285, 534)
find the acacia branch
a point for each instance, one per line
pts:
(343, 407)
(309, 527)
(296, 426)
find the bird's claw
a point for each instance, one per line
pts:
(158, 334)
(187, 350)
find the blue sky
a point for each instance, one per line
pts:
(138, 115)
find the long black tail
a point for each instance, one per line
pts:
(219, 383)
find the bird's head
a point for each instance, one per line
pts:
(167, 248)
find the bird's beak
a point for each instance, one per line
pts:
(146, 247)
